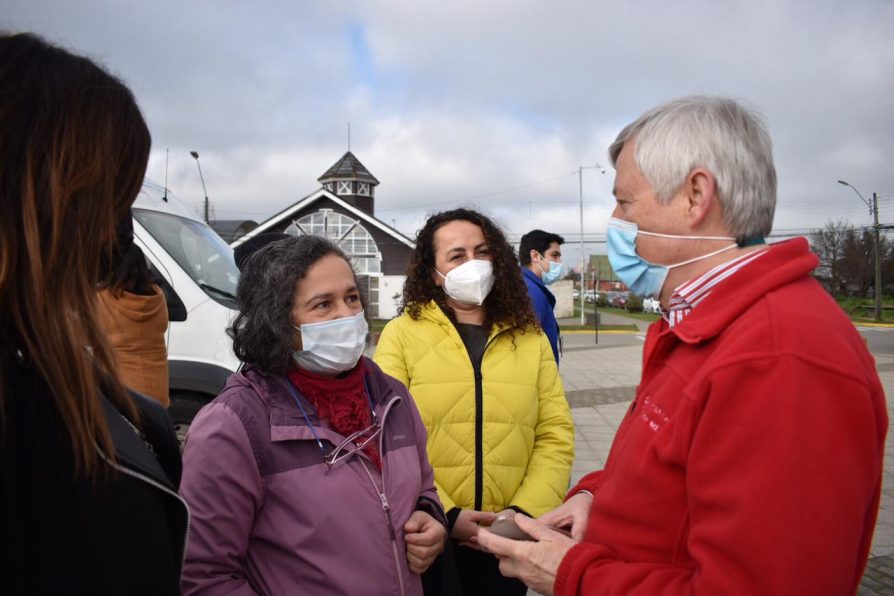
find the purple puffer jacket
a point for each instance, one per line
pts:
(268, 517)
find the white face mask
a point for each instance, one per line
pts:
(471, 282)
(332, 347)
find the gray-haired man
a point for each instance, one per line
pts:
(750, 460)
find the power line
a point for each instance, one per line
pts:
(487, 194)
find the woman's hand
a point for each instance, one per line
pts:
(424, 536)
(465, 530)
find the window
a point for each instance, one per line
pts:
(348, 234)
(344, 188)
(198, 250)
(372, 293)
(363, 188)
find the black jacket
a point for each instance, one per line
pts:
(122, 533)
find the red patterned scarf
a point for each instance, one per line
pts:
(341, 401)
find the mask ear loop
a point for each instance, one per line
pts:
(676, 237)
(539, 266)
(707, 256)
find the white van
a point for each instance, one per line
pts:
(195, 268)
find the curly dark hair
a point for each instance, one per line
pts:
(263, 333)
(508, 302)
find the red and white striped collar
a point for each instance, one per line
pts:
(690, 294)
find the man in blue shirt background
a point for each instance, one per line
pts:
(540, 255)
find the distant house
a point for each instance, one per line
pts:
(601, 277)
(232, 229)
(343, 210)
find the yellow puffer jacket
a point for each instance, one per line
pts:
(502, 438)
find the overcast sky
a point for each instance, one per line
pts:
(488, 103)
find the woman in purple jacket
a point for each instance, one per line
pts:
(308, 473)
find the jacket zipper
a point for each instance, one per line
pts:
(479, 421)
(151, 482)
(386, 507)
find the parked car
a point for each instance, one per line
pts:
(651, 305)
(590, 296)
(617, 299)
(575, 293)
(196, 271)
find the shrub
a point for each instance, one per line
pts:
(634, 303)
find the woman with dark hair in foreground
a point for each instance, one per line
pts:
(308, 473)
(88, 472)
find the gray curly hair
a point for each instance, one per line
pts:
(263, 333)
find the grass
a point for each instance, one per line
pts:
(862, 310)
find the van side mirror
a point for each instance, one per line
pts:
(176, 308)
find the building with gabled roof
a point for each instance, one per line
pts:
(343, 210)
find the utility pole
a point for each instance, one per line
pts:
(873, 210)
(584, 262)
(195, 155)
(878, 261)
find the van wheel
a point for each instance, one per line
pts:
(183, 408)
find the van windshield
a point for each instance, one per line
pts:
(200, 252)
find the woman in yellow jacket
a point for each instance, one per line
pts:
(500, 434)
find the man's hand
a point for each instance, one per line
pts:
(574, 512)
(424, 536)
(465, 530)
(534, 563)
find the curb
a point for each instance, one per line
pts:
(601, 332)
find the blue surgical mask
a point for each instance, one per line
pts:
(332, 347)
(640, 276)
(552, 274)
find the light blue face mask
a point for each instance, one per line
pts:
(640, 276)
(552, 274)
(332, 347)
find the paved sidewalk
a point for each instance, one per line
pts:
(600, 382)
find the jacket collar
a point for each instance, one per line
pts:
(784, 263)
(432, 312)
(274, 391)
(533, 277)
(130, 449)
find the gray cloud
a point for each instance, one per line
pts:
(464, 99)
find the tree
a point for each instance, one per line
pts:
(858, 262)
(828, 244)
(847, 258)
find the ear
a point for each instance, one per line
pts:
(436, 278)
(701, 204)
(534, 256)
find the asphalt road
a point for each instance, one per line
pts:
(880, 339)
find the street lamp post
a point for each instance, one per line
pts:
(195, 154)
(873, 209)
(580, 179)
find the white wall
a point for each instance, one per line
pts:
(564, 301)
(389, 285)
